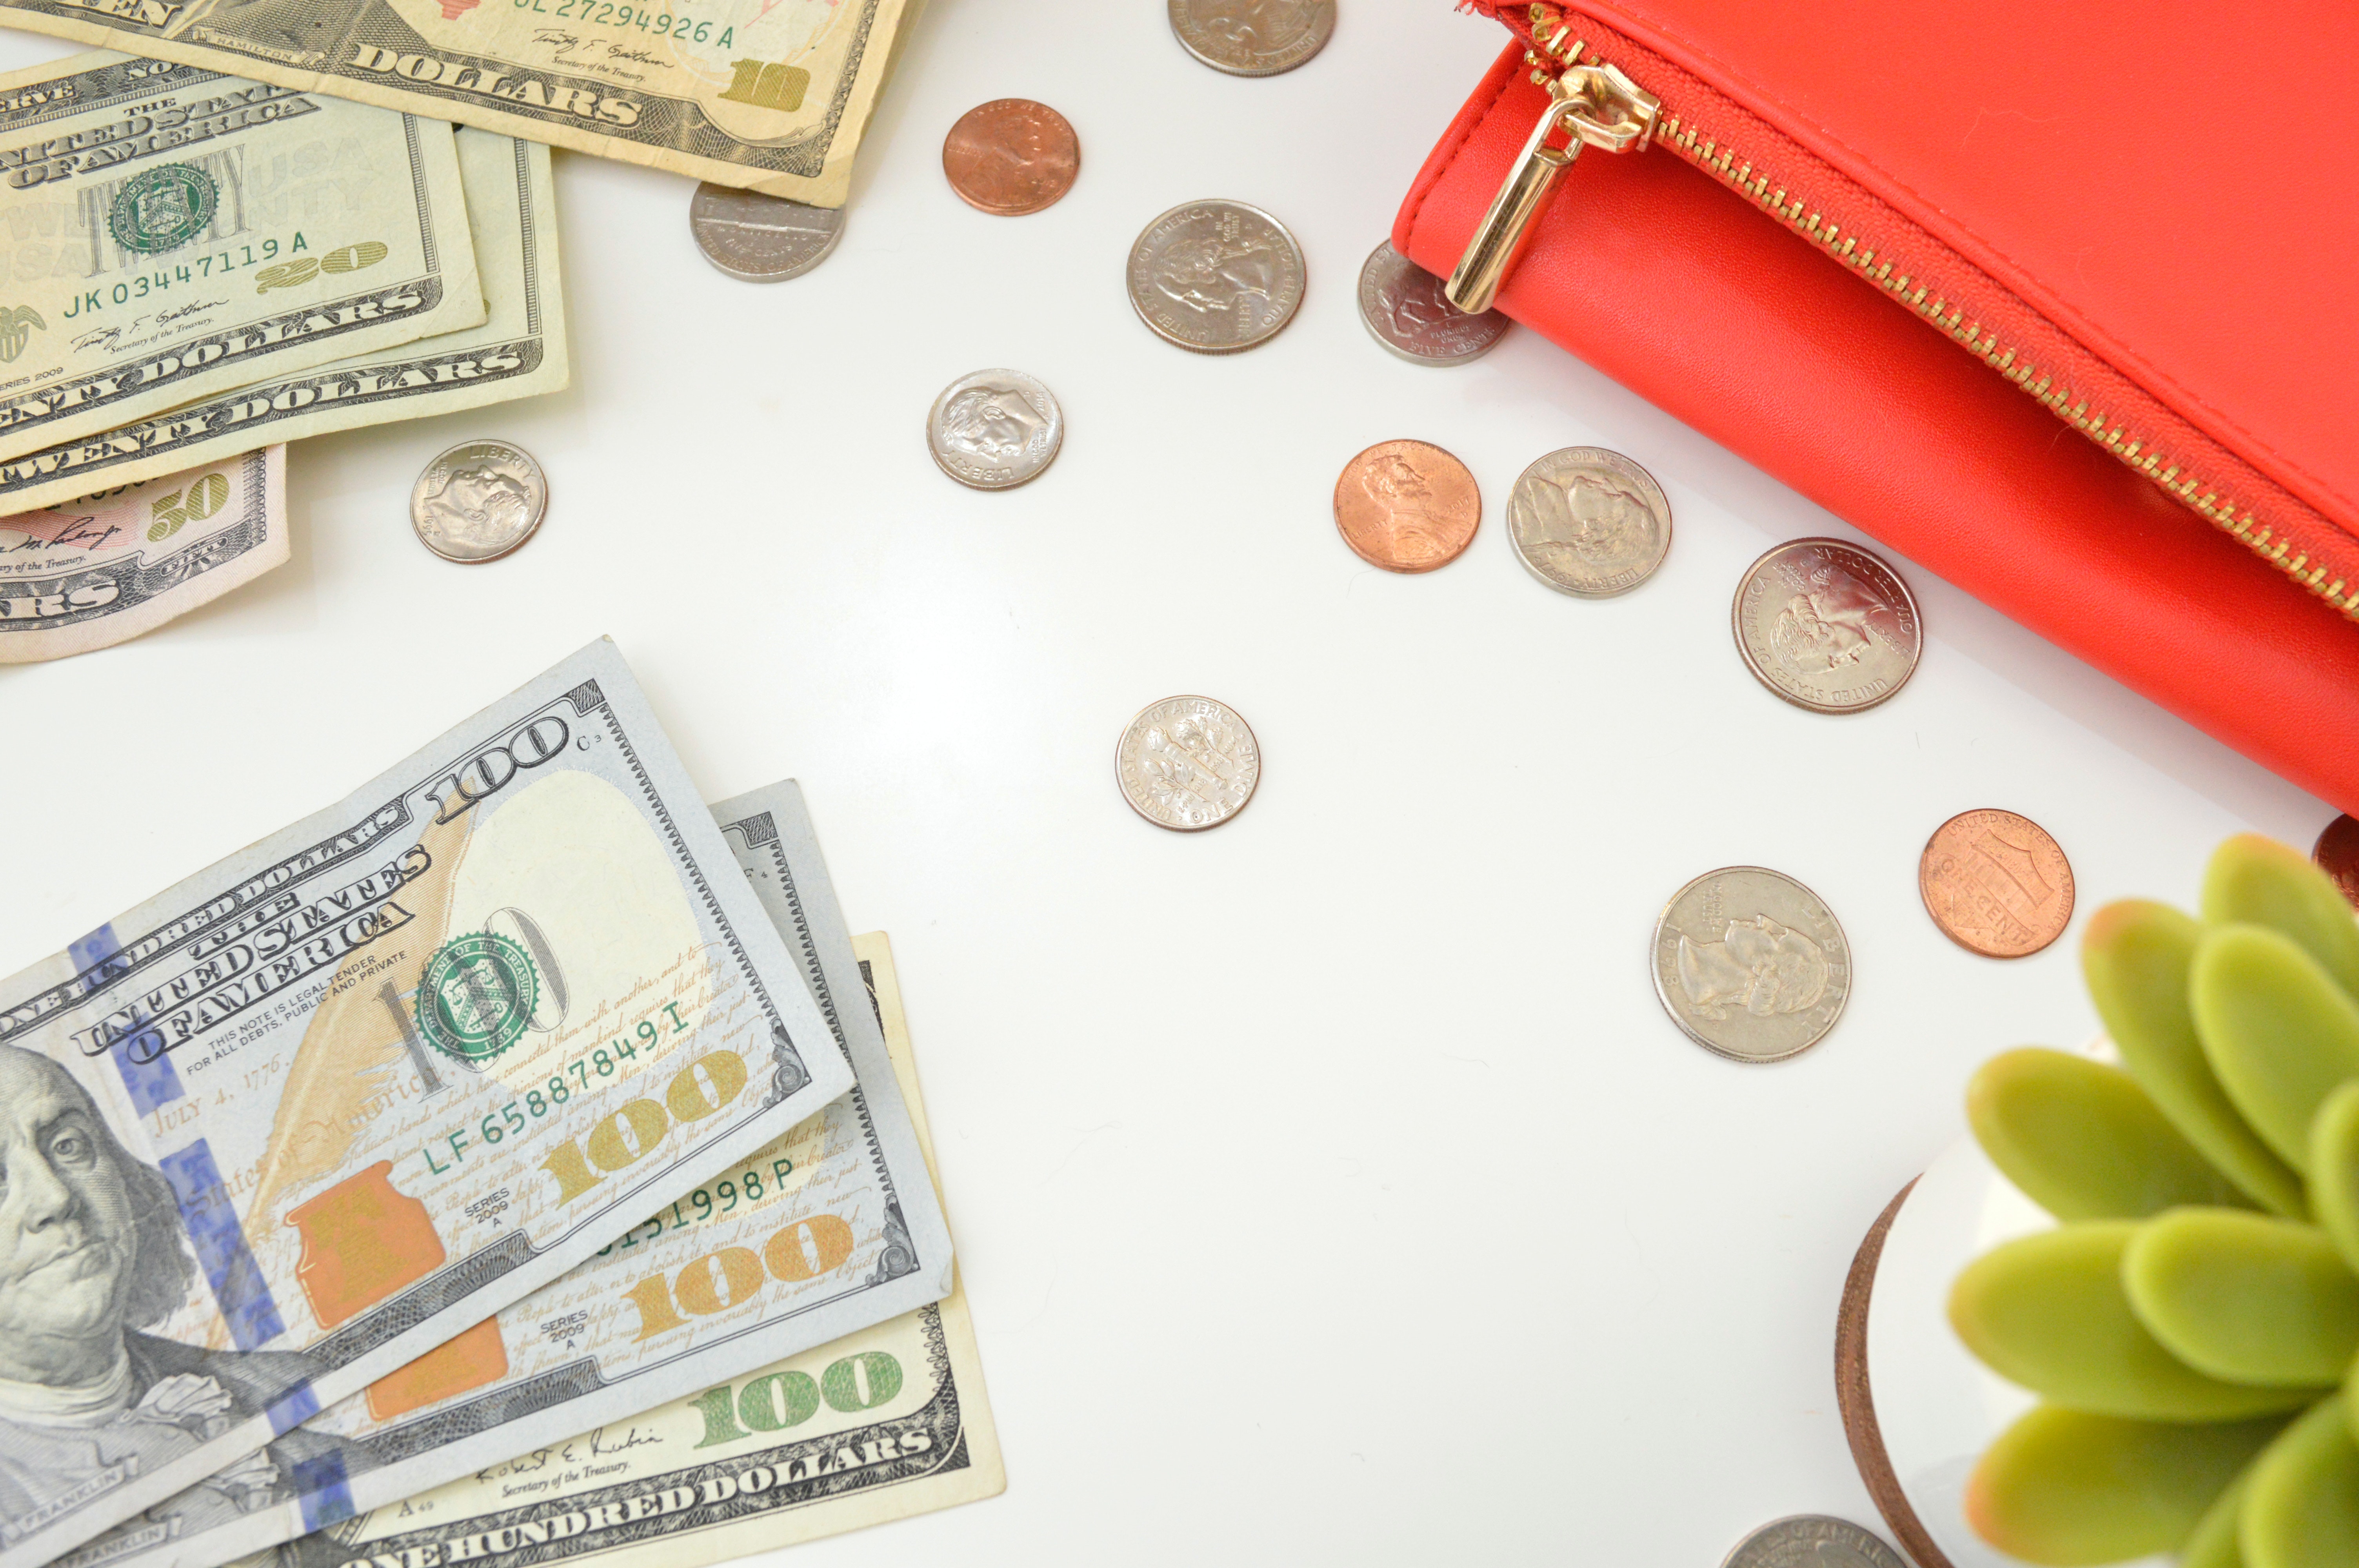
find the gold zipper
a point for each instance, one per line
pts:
(1594, 104)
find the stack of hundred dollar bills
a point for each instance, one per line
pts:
(515, 1162)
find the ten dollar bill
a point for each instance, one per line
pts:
(772, 94)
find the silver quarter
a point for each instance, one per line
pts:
(478, 501)
(1253, 38)
(1403, 308)
(1216, 276)
(1751, 964)
(1827, 626)
(759, 238)
(994, 429)
(1187, 763)
(1813, 1541)
(1589, 522)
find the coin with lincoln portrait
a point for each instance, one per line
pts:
(1406, 506)
(1011, 157)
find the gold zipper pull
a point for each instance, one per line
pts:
(1594, 105)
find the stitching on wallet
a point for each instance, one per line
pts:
(2227, 419)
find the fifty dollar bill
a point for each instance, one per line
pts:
(178, 233)
(831, 1227)
(313, 1112)
(519, 351)
(771, 95)
(879, 1425)
(94, 572)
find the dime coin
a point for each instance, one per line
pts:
(1187, 763)
(1216, 276)
(994, 429)
(1995, 883)
(478, 501)
(762, 238)
(1813, 1541)
(1011, 157)
(2337, 854)
(1259, 37)
(1406, 506)
(1827, 626)
(1749, 962)
(1403, 306)
(1589, 522)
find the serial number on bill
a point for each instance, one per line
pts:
(275, 272)
(605, 14)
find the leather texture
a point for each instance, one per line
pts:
(1661, 277)
(2035, 328)
(2170, 184)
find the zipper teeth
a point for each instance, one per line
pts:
(1721, 162)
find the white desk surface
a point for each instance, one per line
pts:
(1329, 1187)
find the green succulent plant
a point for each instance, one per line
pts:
(2191, 1327)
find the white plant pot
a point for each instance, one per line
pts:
(1918, 1407)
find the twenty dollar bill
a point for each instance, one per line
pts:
(830, 1228)
(519, 351)
(177, 232)
(305, 1116)
(879, 1425)
(771, 95)
(95, 572)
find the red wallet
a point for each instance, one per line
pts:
(1889, 253)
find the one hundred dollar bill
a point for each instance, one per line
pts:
(177, 232)
(108, 567)
(830, 1228)
(305, 1116)
(878, 1426)
(770, 94)
(519, 351)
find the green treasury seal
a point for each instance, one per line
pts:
(476, 997)
(162, 209)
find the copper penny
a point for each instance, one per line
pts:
(2337, 854)
(1011, 157)
(1997, 883)
(1406, 506)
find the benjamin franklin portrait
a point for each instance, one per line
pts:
(94, 1254)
